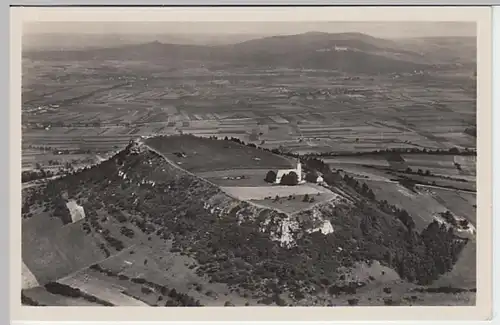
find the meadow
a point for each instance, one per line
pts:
(196, 154)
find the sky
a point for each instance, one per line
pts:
(377, 29)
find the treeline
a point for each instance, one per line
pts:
(401, 214)
(44, 125)
(421, 172)
(34, 175)
(451, 151)
(410, 183)
(67, 291)
(447, 289)
(40, 173)
(364, 190)
(56, 151)
(57, 205)
(289, 179)
(172, 296)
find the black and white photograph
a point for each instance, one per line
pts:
(244, 163)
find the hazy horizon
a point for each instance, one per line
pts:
(376, 29)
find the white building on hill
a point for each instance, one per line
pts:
(297, 170)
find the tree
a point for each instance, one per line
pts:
(312, 177)
(290, 179)
(270, 177)
(306, 198)
(353, 301)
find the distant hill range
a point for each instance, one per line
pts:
(348, 52)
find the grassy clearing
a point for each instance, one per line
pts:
(237, 177)
(164, 268)
(204, 154)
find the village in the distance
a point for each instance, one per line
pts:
(316, 168)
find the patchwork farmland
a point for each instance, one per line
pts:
(77, 109)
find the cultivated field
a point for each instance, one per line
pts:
(100, 106)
